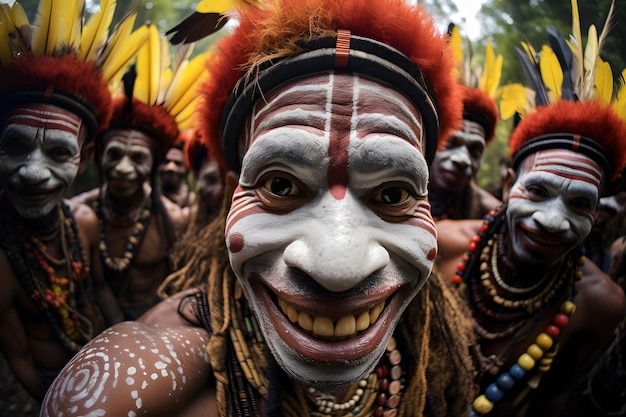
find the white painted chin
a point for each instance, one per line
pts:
(327, 363)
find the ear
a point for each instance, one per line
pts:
(85, 155)
(509, 180)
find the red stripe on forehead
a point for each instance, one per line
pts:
(579, 167)
(338, 146)
(46, 117)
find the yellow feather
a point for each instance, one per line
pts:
(551, 71)
(589, 66)
(76, 25)
(97, 29)
(22, 24)
(149, 68)
(619, 104)
(41, 28)
(603, 81)
(512, 100)
(456, 42)
(166, 79)
(215, 6)
(492, 72)
(185, 78)
(530, 51)
(122, 48)
(185, 119)
(6, 55)
(576, 45)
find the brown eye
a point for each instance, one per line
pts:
(392, 195)
(281, 186)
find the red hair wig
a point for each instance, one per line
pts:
(278, 30)
(64, 80)
(482, 109)
(154, 121)
(589, 119)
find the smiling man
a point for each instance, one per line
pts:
(540, 309)
(318, 299)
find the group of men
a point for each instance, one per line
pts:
(337, 276)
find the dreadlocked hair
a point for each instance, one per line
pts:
(436, 332)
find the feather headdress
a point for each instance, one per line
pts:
(387, 40)
(160, 94)
(63, 61)
(480, 85)
(570, 101)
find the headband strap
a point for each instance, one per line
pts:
(364, 56)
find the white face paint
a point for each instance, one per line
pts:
(330, 232)
(39, 157)
(127, 161)
(551, 205)
(458, 162)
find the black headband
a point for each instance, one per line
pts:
(364, 56)
(80, 108)
(572, 142)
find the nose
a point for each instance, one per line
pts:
(34, 170)
(340, 249)
(460, 157)
(553, 218)
(125, 166)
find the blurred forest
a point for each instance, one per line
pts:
(505, 23)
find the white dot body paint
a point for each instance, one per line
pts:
(104, 373)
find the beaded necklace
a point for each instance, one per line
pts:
(377, 394)
(59, 295)
(134, 240)
(487, 289)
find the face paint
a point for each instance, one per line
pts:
(551, 205)
(458, 162)
(330, 232)
(39, 157)
(127, 161)
(173, 171)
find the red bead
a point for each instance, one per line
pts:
(475, 239)
(460, 266)
(492, 213)
(552, 331)
(381, 399)
(465, 258)
(560, 320)
(472, 247)
(383, 385)
(483, 228)
(456, 279)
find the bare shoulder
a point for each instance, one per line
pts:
(599, 298)
(134, 368)
(487, 201)
(86, 198)
(453, 236)
(175, 213)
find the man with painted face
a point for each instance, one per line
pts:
(541, 310)
(173, 177)
(53, 297)
(138, 225)
(316, 297)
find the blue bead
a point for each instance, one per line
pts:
(472, 413)
(505, 381)
(493, 393)
(517, 372)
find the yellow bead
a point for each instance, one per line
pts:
(482, 405)
(568, 308)
(544, 341)
(535, 351)
(526, 362)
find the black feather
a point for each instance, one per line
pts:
(565, 56)
(128, 81)
(196, 26)
(534, 78)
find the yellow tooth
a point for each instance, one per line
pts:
(305, 321)
(345, 326)
(281, 304)
(375, 312)
(323, 326)
(292, 313)
(363, 321)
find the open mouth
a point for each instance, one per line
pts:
(546, 240)
(325, 328)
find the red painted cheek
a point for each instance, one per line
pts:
(432, 254)
(235, 242)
